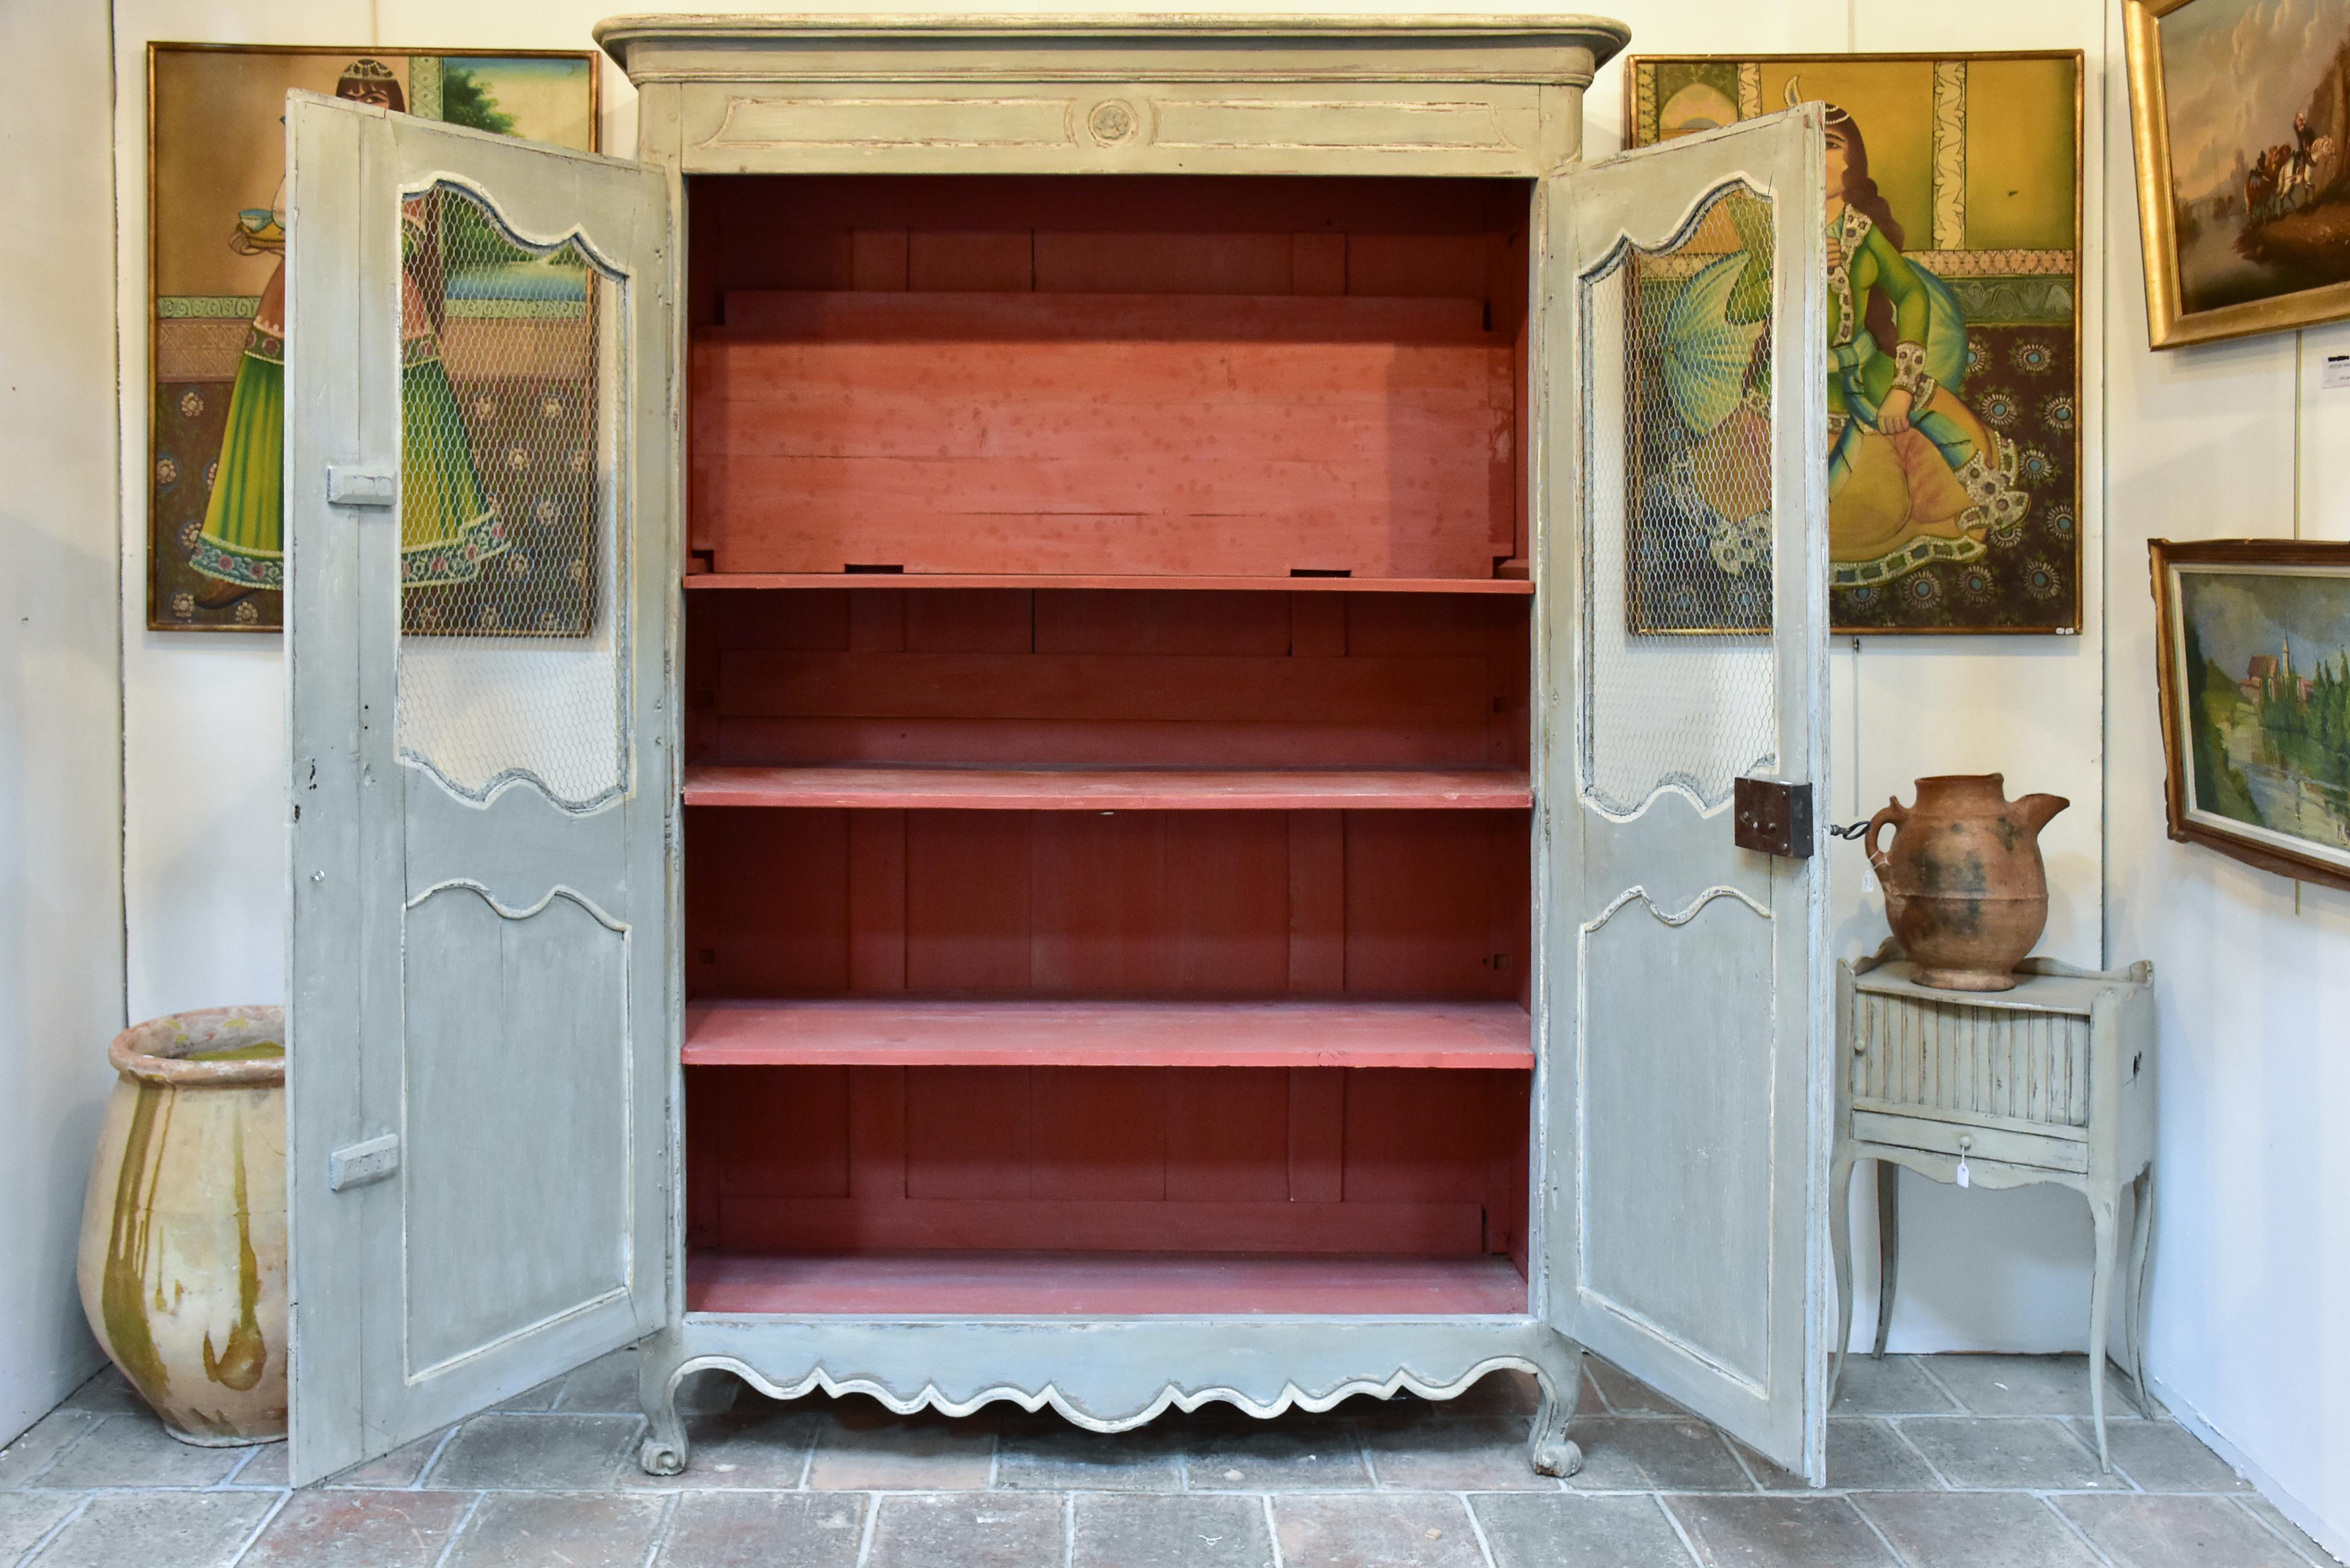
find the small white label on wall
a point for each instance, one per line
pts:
(2335, 373)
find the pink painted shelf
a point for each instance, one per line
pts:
(1518, 586)
(889, 1032)
(1116, 1284)
(1110, 789)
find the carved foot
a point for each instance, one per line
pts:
(1553, 1452)
(1560, 1457)
(665, 1448)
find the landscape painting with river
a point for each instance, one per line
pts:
(2266, 699)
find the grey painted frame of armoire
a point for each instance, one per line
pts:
(1449, 96)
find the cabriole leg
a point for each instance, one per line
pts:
(1554, 1453)
(2141, 1238)
(2102, 1220)
(1888, 1248)
(665, 1450)
(1840, 1238)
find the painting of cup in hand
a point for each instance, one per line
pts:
(2243, 146)
(2257, 699)
(216, 265)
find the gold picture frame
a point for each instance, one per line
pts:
(214, 148)
(2174, 316)
(2255, 765)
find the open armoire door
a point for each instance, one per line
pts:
(1684, 645)
(478, 481)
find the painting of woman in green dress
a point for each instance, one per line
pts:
(1949, 233)
(1914, 474)
(447, 525)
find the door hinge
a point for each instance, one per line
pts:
(362, 484)
(1774, 817)
(362, 1163)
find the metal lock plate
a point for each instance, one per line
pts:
(1772, 817)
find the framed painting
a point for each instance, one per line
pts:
(2252, 650)
(1953, 222)
(2242, 115)
(496, 352)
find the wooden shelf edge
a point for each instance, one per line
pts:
(1507, 586)
(888, 1032)
(1107, 789)
(1105, 1284)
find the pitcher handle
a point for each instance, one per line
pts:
(1895, 813)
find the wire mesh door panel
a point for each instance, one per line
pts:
(1684, 604)
(513, 593)
(1680, 688)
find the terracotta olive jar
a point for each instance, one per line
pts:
(1965, 889)
(182, 1262)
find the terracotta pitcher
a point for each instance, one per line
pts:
(1965, 890)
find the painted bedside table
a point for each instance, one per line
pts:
(2052, 1080)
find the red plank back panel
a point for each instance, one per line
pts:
(1184, 434)
(815, 902)
(1136, 904)
(1319, 1161)
(831, 232)
(1103, 688)
(1131, 679)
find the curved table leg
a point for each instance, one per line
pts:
(2141, 1240)
(2102, 1219)
(1888, 1248)
(1840, 1239)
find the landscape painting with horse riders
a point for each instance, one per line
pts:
(2257, 93)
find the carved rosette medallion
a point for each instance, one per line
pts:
(1111, 122)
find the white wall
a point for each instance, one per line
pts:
(60, 735)
(2251, 1340)
(2252, 1258)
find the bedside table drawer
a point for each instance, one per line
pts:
(1970, 1060)
(1983, 1143)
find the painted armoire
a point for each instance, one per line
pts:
(1125, 795)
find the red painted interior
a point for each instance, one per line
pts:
(1158, 375)
(1040, 936)
(1106, 677)
(1304, 1160)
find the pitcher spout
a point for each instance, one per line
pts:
(2034, 810)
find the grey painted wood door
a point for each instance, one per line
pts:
(1686, 999)
(478, 481)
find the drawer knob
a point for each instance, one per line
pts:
(1966, 1178)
